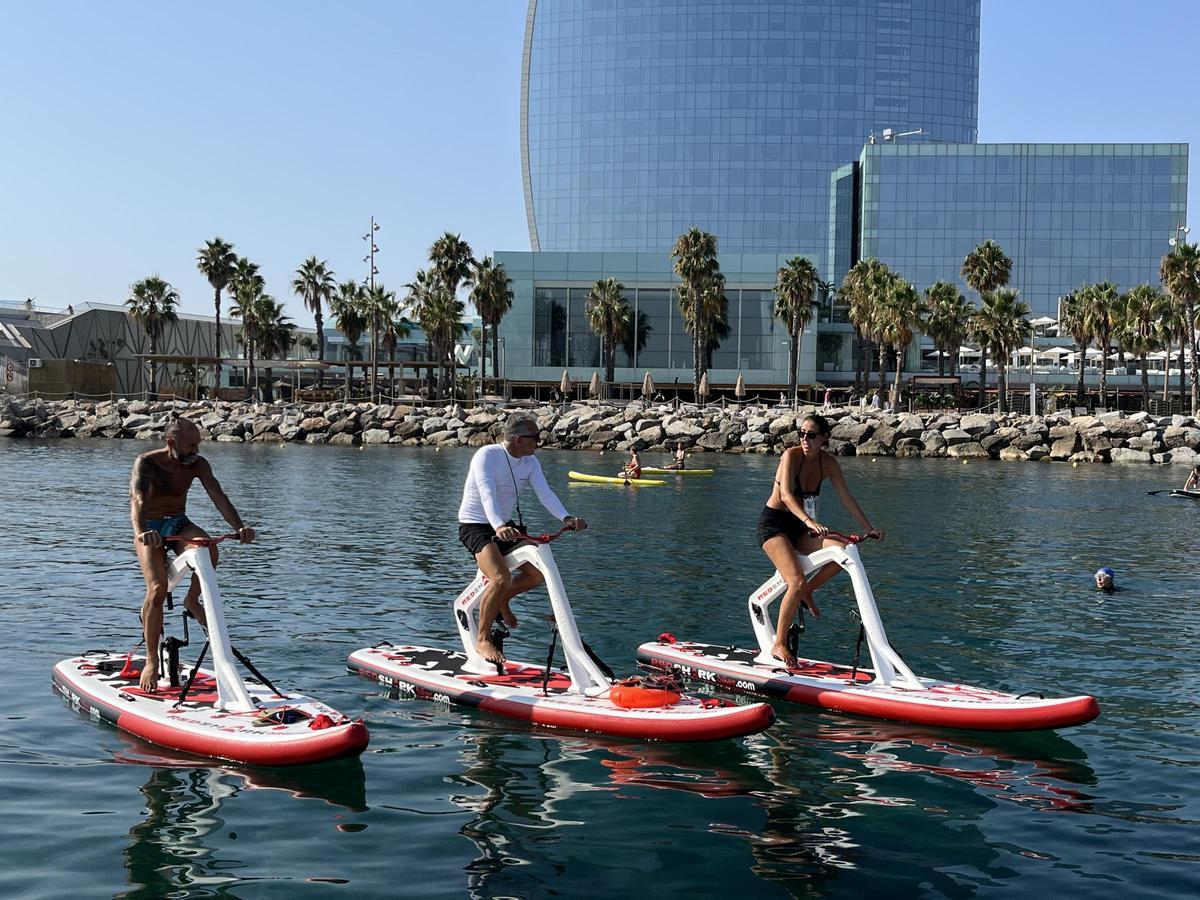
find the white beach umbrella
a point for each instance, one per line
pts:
(564, 383)
(594, 386)
(647, 386)
(1042, 321)
(967, 351)
(1054, 352)
(703, 389)
(739, 387)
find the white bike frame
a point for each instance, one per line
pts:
(890, 669)
(231, 689)
(586, 677)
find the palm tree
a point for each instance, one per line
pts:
(246, 285)
(985, 269)
(346, 305)
(1099, 302)
(1136, 328)
(947, 312)
(493, 298)
(152, 303)
(858, 291)
(795, 285)
(1002, 325)
(216, 262)
(440, 317)
(607, 315)
(1180, 274)
(314, 283)
(275, 335)
(420, 293)
(1074, 321)
(395, 328)
(636, 336)
(899, 318)
(377, 305)
(700, 294)
(1171, 322)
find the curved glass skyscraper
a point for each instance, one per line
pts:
(642, 118)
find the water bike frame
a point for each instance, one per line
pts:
(586, 676)
(231, 689)
(890, 669)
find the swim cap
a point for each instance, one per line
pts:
(1105, 570)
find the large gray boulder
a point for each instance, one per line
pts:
(853, 433)
(1065, 447)
(978, 425)
(886, 435)
(953, 436)
(1027, 442)
(910, 426)
(376, 436)
(1180, 436)
(1126, 456)
(872, 447)
(969, 450)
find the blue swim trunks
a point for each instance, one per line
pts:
(168, 527)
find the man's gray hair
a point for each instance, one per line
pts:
(514, 426)
(180, 426)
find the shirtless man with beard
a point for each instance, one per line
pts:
(158, 492)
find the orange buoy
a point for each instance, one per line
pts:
(635, 696)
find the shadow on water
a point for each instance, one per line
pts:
(183, 846)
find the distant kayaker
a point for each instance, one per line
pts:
(1193, 481)
(680, 457)
(158, 492)
(789, 523)
(486, 527)
(633, 468)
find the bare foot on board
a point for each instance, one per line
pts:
(149, 679)
(489, 651)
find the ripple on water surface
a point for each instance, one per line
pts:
(984, 578)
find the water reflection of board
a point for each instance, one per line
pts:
(283, 731)
(843, 689)
(434, 674)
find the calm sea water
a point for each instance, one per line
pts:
(985, 577)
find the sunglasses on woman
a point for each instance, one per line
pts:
(810, 435)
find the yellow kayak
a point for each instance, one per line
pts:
(650, 470)
(605, 479)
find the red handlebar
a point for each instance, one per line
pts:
(850, 538)
(202, 541)
(547, 538)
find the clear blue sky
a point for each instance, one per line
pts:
(134, 131)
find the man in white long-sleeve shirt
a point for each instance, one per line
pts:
(486, 527)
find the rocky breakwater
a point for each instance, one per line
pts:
(1110, 437)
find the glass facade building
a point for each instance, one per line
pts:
(764, 123)
(546, 331)
(1067, 214)
(643, 119)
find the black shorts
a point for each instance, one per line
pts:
(780, 521)
(475, 536)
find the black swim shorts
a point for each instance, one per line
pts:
(779, 521)
(475, 536)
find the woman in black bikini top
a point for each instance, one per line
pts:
(789, 525)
